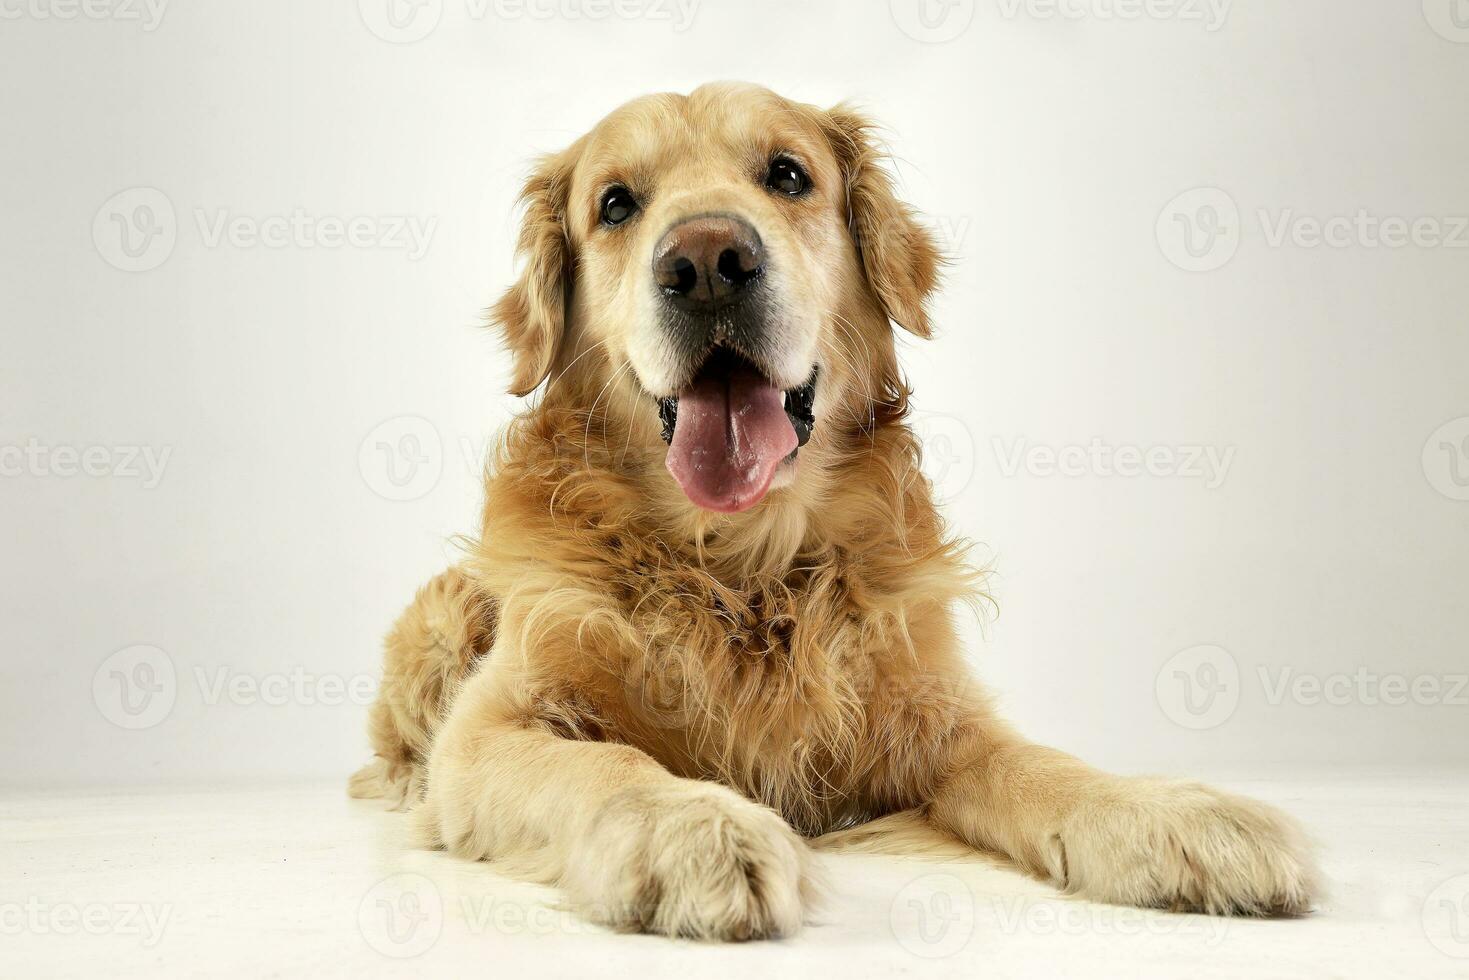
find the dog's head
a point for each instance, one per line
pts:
(730, 261)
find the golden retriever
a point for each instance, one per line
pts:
(710, 612)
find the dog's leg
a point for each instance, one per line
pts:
(436, 642)
(1129, 840)
(634, 846)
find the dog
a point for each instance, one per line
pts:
(709, 616)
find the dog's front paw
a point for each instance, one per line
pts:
(1185, 847)
(695, 860)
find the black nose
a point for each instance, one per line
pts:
(706, 262)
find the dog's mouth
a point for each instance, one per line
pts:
(730, 428)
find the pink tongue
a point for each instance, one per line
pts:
(730, 435)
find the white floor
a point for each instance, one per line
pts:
(304, 882)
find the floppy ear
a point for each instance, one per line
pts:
(532, 313)
(899, 256)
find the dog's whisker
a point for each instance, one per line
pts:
(566, 371)
(592, 412)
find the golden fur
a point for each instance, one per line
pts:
(653, 705)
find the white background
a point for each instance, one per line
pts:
(1046, 149)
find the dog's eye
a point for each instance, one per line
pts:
(785, 175)
(617, 206)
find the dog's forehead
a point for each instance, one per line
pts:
(725, 126)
